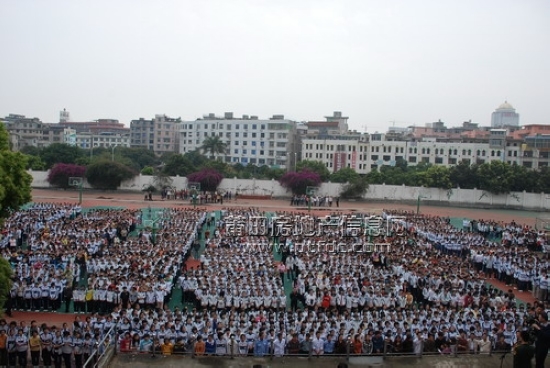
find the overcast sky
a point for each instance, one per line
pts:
(408, 62)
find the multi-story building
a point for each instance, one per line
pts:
(96, 126)
(142, 133)
(504, 116)
(88, 140)
(249, 140)
(433, 144)
(25, 132)
(160, 134)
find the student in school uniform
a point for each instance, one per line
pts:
(22, 347)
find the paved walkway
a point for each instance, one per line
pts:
(133, 361)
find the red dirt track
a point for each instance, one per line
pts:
(134, 200)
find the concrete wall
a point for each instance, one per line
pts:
(393, 193)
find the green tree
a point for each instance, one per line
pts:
(344, 175)
(495, 177)
(31, 150)
(178, 165)
(375, 177)
(15, 181)
(464, 175)
(5, 281)
(314, 166)
(437, 177)
(196, 158)
(60, 153)
(214, 146)
(522, 178)
(148, 170)
(355, 188)
(219, 166)
(271, 173)
(35, 163)
(108, 174)
(138, 157)
(542, 184)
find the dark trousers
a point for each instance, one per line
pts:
(22, 358)
(78, 360)
(12, 359)
(46, 357)
(540, 356)
(35, 358)
(67, 360)
(3, 357)
(57, 360)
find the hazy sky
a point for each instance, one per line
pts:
(410, 61)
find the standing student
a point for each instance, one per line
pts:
(46, 341)
(542, 344)
(57, 349)
(67, 349)
(12, 348)
(523, 351)
(3, 348)
(22, 347)
(34, 346)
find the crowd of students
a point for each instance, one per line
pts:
(423, 290)
(53, 346)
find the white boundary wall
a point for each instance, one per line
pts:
(391, 193)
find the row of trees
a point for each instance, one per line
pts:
(15, 191)
(495, 177)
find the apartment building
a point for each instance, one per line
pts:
(25, 132)
(89, 140)
(249, 140)
(364, 153)
(160, 134)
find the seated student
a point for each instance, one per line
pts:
(146, 344)
(126, 343)
(210, 345)
(200, 346)
(167, 348)
(179, 346)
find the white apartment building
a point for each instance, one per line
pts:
(87, 140)
(249, 140)
(369, 152)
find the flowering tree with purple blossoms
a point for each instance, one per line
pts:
(298, 182)
(208, 178)
(60, 173)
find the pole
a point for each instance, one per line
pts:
(309, 202)
(80, 194)
(418, 205)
